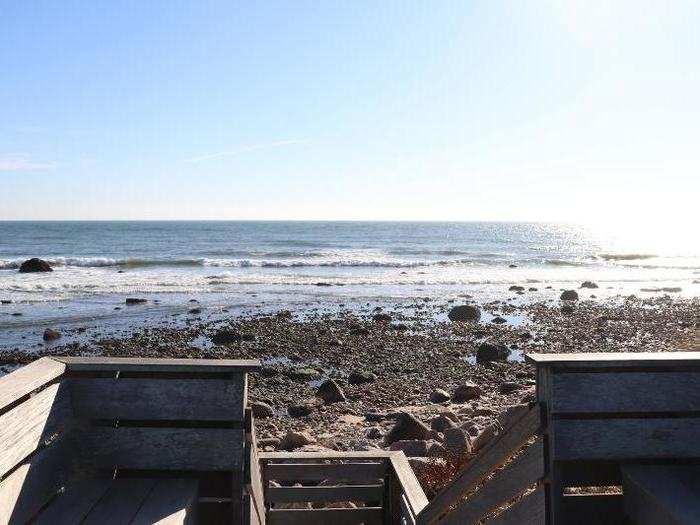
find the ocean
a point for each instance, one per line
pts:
(271, 264)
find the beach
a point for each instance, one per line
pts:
(352, 321)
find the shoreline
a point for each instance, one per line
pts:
(406, 355)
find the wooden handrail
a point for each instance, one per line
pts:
(139, 364)
(25, 380)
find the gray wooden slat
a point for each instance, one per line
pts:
(300, 457)
(120, 503)
(29, 487)
(366, 515)
(662, 494)
(316, 472)
(159, 399)
(142, 364)
(256, 484)
(166, 448)
(407, 480)
(528, 511)
(503, 486)
(326, 494)
(626, 392)
(33, 422)
(616, 359)
(490, 458)
(578, 509)
(75, 503)
(24, 380)
(622, 439)
(170, 502)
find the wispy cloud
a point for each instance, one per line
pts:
(20, 163)
(246, 149)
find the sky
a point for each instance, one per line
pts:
(556, 110)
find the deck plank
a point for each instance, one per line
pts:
(24, 380)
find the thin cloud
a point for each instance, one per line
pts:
(246, 149)
(16, 164)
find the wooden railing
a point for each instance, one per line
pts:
(340, 488)
(502, 484)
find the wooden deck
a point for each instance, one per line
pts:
(612, 438)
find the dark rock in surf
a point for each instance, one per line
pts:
(135, 300)
(35, 265)
(589, 284)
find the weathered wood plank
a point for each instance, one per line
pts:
(503, 486)
(626, 392)
(407, 514)
(662, 494)
(366, 515)
(616, 359)
(486, 461)
(578, 509)
(294, 457)
(407, 480)
(326, 494)
(170, 502)
(33, 422)
(75, 503)
(25, 380)
(528, 511)
(316, 472)
(29, 487)
(254, 476)
(120, 503)
(159, 399)
(623, 439)
(166, 448)
(143, 364)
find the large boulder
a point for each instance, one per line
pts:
(51, 335)
(439, 396)
(589, 284)
(569, 295)
(304, 374)
(330, 392)
(358, 377)
(488, 352)
(261, 410)
(293, 440)
(411, 447)
(457, 441)
(407, 427)
(441, 423)
(465, 312)
(35, 265)
(300, 410)
(466, 392)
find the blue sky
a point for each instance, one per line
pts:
(541, 110)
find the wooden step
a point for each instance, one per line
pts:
(662, 494)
